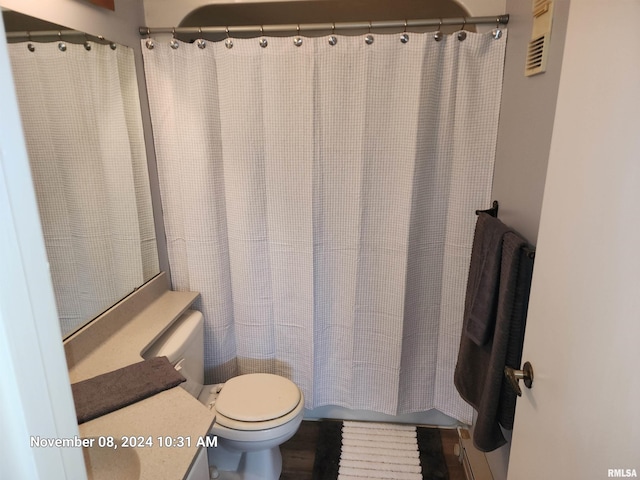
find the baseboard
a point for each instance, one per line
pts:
(473, 460)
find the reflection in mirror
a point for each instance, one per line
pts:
(80, 111)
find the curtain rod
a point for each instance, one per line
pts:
(60, 34)
(315, 27)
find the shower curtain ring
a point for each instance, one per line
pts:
(297, 40)
(174, 42)
(497, 32)
(404, 38)
(438, 35)
(87, 45)
(462, 34)
(201, 42)
(332, 38)
(30, 46)
(228, 42)
(369, 38)
(61, 45)
(263, 41)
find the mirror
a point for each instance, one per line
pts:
(78, 99)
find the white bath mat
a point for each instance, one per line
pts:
(379, 451)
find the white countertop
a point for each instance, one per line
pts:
(172, 413)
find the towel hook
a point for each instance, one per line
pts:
(493, 211)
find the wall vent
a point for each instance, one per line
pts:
(538, 49)
(537, 55)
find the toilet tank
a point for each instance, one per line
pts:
(183, 344)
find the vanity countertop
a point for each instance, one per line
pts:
(170, 417)
(169, 424)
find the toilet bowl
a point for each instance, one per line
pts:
(255, 413)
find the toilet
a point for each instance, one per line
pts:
(255, 413)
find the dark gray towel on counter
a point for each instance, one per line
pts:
(111, 391)
(479, 374)
(481, 302)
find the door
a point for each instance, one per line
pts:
(581, 419)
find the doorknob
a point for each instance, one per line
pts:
(514, 375)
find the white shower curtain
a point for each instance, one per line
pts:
(321, 198)
(81, 117)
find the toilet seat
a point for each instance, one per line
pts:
(257, 401)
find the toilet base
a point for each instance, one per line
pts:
(250, 454)
(233, 464)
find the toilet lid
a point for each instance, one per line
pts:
(257, 397)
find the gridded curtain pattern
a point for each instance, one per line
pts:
(81, 117)
(321, 198)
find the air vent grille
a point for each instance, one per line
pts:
(537, 55)
(540, 7)
(538, 49)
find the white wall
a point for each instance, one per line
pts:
(526, 121)
(524, 139)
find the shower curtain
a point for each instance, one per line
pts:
(321, 198)
(81, 118)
